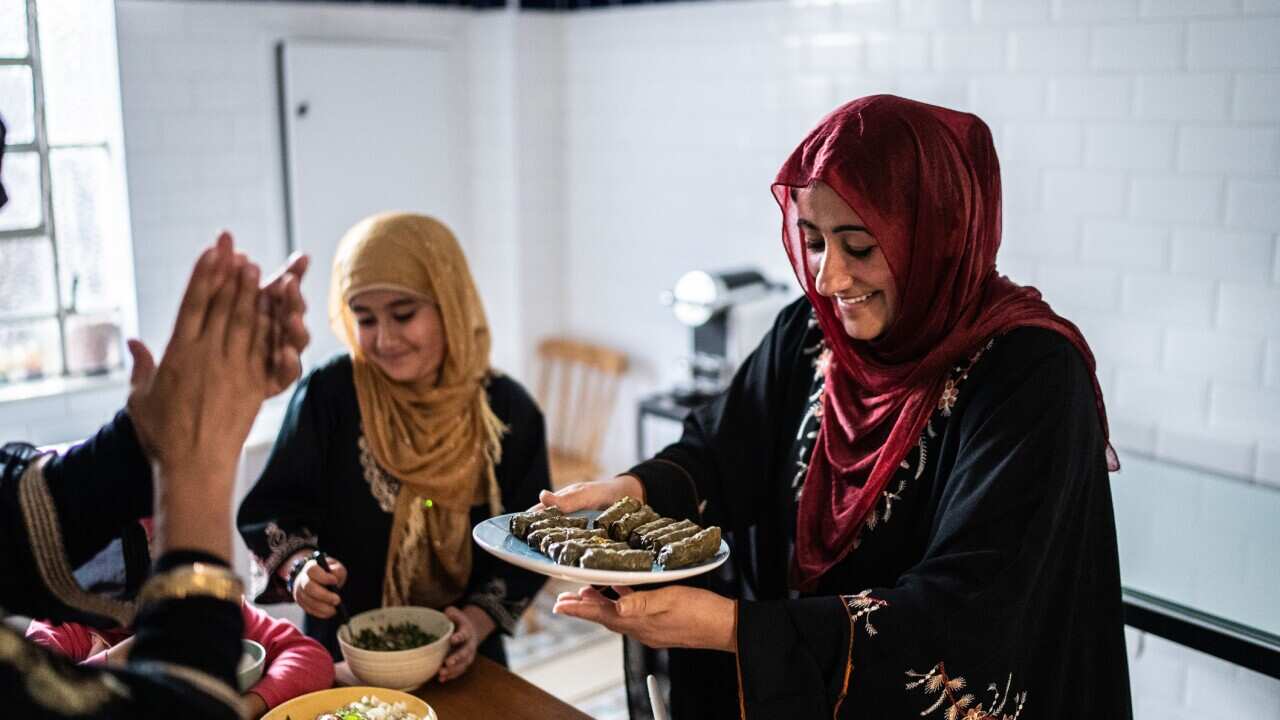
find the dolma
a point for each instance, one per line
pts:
(615, 511)
(601, 559)
(560, 534)
(569, 552)
(520, 522)
(621, 529)
(655, 527)
(691, 550)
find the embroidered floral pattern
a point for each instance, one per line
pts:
(807, 435)
(280, 545)
(950, 394)
(384, 488)
(860, 607)
(950, 391)
(955, 704)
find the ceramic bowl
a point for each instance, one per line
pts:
(252, 659)
(397, 669)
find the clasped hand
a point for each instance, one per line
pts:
(675, 616)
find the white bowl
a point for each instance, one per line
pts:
(249, 671)
(397, 669)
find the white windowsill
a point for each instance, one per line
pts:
(50, 387)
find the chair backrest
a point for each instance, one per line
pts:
(577, 388)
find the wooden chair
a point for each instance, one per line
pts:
(577, 387)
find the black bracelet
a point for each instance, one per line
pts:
(296, 569)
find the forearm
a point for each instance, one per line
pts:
(254, 705)
(199, 521)
(630, 485)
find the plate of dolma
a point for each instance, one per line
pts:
(627, 544)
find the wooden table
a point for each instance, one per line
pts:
(487, 690)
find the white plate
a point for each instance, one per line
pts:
(494, 535)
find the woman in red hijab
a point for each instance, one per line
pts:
(911, 467)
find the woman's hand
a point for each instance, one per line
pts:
(471, 626)
(194, 409)
(675, 616)
(289, 336)
(311, 588)
(594, 495)
(253, 704)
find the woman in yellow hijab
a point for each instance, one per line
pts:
(391, 452)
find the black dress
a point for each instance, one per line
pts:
(185, 653)
(322, 489)
(986, 581)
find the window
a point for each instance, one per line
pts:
(66, 279)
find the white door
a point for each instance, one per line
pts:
(367, 128)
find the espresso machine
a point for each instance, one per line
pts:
(704, 301)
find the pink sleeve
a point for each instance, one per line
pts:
(70, 640)
(296, 664)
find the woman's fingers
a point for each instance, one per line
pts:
(318, 574)
(602, 614)
(243, 322)
(219, 314)
(315, 607)
(296, 265)
(578, 496)
(462, 645)
(144, 365)
(338, 571)
(639, 604)
(263, 348)
(195, 301)
(461, 623)
(321, 595)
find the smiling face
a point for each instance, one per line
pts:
(846, 262)
(401, 333)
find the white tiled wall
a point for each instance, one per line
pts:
(1140, 144)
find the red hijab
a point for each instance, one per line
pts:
(926, 182)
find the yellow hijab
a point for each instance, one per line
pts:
(441, 442)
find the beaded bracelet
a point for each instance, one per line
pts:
(296, 569)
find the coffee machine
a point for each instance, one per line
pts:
(704, 300)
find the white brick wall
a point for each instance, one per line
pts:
(1124, 244)
(1130, 146)
(1223, 254)
(1253, 204)
(1234, 150)
(1243, 44)
(1164, 97)
(1138, 47)
(1255, 97)
(1050, 49)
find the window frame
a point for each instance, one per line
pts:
(47, 231)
